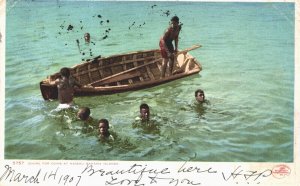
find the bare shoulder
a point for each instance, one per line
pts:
(170, 29)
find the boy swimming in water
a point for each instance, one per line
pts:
(84, 114)
(199, 96)
(144, 122)
(89, 123)
(144, 112)
(104, 133)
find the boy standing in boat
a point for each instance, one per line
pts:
(166, 47)
(65, 85)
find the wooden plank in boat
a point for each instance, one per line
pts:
(139, 68)
(124, 68)
(80, 72)
(117, 69)
(89, 73)
(118, 78)
(155, 70)
(150, 73)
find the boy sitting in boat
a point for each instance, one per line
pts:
(89, 123)
(104, 134)
(65, 85)
(166, 47)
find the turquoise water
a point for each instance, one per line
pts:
(248, 78)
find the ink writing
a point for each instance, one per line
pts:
(136, 170)
(137, 174)
(55, 176)
(186, 169)
(248, 176)
(150, 180)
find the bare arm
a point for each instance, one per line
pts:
(176, 44)
(176, 39)
(74, 82)
(77, 84)
(54, 82)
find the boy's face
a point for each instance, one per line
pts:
(174, 23)
(144, 114)
(103, 128)
(87, 37)
(79, 115)
(200, 97)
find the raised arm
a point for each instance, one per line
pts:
(176, 38)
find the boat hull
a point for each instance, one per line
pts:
(121, 73)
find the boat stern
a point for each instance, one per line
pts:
(48, 91)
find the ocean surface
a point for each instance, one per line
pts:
(247, 56)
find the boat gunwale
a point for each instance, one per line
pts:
(159, 81)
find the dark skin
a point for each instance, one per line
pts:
(65, 89)
(145, 114)
(171, 34)
(87, 37)
(65, 85)
(200, 97)
(103, 131)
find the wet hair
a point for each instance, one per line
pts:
(105, 121)
(198, 91)
(175, 18)
(84, 113)
(65, 72)
(144, 106)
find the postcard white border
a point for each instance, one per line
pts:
(75, 168)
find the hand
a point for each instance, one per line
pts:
(46, 81)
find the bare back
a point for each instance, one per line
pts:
(65, 90)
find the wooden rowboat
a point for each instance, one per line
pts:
(124, 72)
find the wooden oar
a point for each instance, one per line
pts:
(188, 49)
(132, 69)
